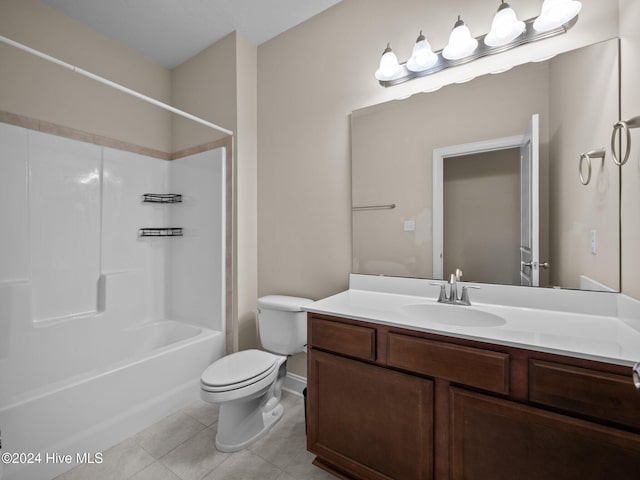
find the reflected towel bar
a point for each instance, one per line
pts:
(599, 153)
(391, 206)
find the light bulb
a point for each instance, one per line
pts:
(389, 66)
(422, 57)
(461, 43)
(505, 27)
(555, 13)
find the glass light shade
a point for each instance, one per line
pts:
(389, 66)
(505, 27)
(461, 43)
(555, 13)
(422, 57)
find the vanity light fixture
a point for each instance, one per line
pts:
(389, 66)
(505, 27)
(507, 32)
(555, 13)
(461, 43)
(422, 57)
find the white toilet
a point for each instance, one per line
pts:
(247, 384)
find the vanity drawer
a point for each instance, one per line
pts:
(589, 392)
(464, 365)
(352, 340)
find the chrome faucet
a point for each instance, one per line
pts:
(453, 285)
(453, 298)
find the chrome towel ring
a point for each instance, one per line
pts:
(599, 153)
(622, 125)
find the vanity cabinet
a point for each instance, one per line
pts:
(371, 421)
(391, 403)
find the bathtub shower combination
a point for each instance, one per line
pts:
(102, 331)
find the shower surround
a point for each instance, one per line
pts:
(102, 332)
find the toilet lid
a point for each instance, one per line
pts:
(238, 367)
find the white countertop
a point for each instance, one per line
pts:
(605, 336)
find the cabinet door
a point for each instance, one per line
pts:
(371, 422)
(496, 439)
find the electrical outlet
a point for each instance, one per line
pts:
(593, 241)
(409, 225)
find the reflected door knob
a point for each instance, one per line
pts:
(544, 265)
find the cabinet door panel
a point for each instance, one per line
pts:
(351, 340)
(369, 421)
(497, 439)
(470, 366)
(601, 395)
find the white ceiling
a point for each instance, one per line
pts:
(172, 31)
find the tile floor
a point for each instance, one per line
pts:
(181, 447)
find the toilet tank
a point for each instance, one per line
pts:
(282, 324)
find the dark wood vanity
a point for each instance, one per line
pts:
(390, 403)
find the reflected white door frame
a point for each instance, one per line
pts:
(439, 155)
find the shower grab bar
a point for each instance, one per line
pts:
(390, 206)
(623, 125)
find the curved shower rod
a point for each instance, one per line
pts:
(117, 86)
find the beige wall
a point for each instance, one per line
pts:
(630, 48)
(392, 148)
(309, 79)
(247, 188)
(481, 220)
(205, 86)
(219, 85)
(581, 121)
(35, 88)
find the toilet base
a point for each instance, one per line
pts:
(239, 425)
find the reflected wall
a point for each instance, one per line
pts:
(576, 96)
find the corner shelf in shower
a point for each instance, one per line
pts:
(164, 231)
(161, 198)
(160, 232)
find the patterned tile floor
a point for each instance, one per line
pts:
(181, 447)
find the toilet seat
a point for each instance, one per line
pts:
(238, 370)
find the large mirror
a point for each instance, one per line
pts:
(443, 180)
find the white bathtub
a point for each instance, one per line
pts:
(71, 401)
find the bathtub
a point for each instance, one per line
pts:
(81, 401)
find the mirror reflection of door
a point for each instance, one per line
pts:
(488, 212)
(482, 216)
(530, 205)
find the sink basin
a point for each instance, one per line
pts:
(452, 315)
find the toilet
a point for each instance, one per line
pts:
(248, 384)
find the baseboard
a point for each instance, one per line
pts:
(294, 384)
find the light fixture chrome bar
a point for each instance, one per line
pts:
(391, 206)
(114, 85)
(530, 35)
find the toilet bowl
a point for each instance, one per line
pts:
(248, 384)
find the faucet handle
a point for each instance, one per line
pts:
(465, 293)
(458, 274)
(443, 293)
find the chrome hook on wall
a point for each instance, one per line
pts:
(599, 153)
(626, 126)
